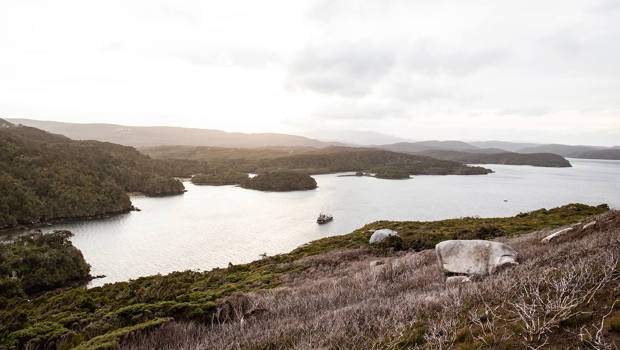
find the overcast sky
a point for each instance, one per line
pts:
(546, 71)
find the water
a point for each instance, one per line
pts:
(210, 226)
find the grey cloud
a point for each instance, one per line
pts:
(349, 70)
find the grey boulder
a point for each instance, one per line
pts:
(474, 257)
(380, 235)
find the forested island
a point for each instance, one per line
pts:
(281, 180)
(47, 177)
(510, 158)
(191, 308)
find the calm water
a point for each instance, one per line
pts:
(211, 226)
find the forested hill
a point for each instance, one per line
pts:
(313, 161)
(45, 176)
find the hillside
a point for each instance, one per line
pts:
(563, 150)
(586, 152)
(560, 296)
(415, 147)
(148, 136)
(327, 294)
(608, 153)
(511, 158)
(321, 161)
(46, 177)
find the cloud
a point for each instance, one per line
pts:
(240, 57)
(525, 111)
(413, 88)
(429, 59)
(359, 111)
(347, 69)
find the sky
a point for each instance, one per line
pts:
(537, 71)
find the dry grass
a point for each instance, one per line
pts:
(558, 297)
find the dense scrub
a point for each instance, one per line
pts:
(46, 177)
(106, 315)
(511, 158)
(315, 161)
(37, 262)
(229, 177)
(280, 180)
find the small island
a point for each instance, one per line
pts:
(281, 180)
(229, 177)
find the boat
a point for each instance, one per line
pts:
(324, 218)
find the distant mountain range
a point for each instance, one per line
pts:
(150, 136)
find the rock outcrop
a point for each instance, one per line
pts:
(474, 257)
(380, 235)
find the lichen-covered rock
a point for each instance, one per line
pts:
(380, 235)
(474, 257)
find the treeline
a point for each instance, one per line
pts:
(45, 176)
(39, 262)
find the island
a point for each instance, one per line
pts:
(280, 180)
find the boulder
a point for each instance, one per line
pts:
(380, 235)
(474, 257)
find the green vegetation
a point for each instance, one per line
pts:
(77, 316)
(37, 262)
(47, 177)
(314, 161)
(390, 172)
(229, 177)
(281, 180)
(511, 158)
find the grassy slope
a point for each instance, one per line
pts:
(76, 316)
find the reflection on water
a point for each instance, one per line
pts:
(211, 226)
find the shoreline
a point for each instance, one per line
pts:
(55, 221)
